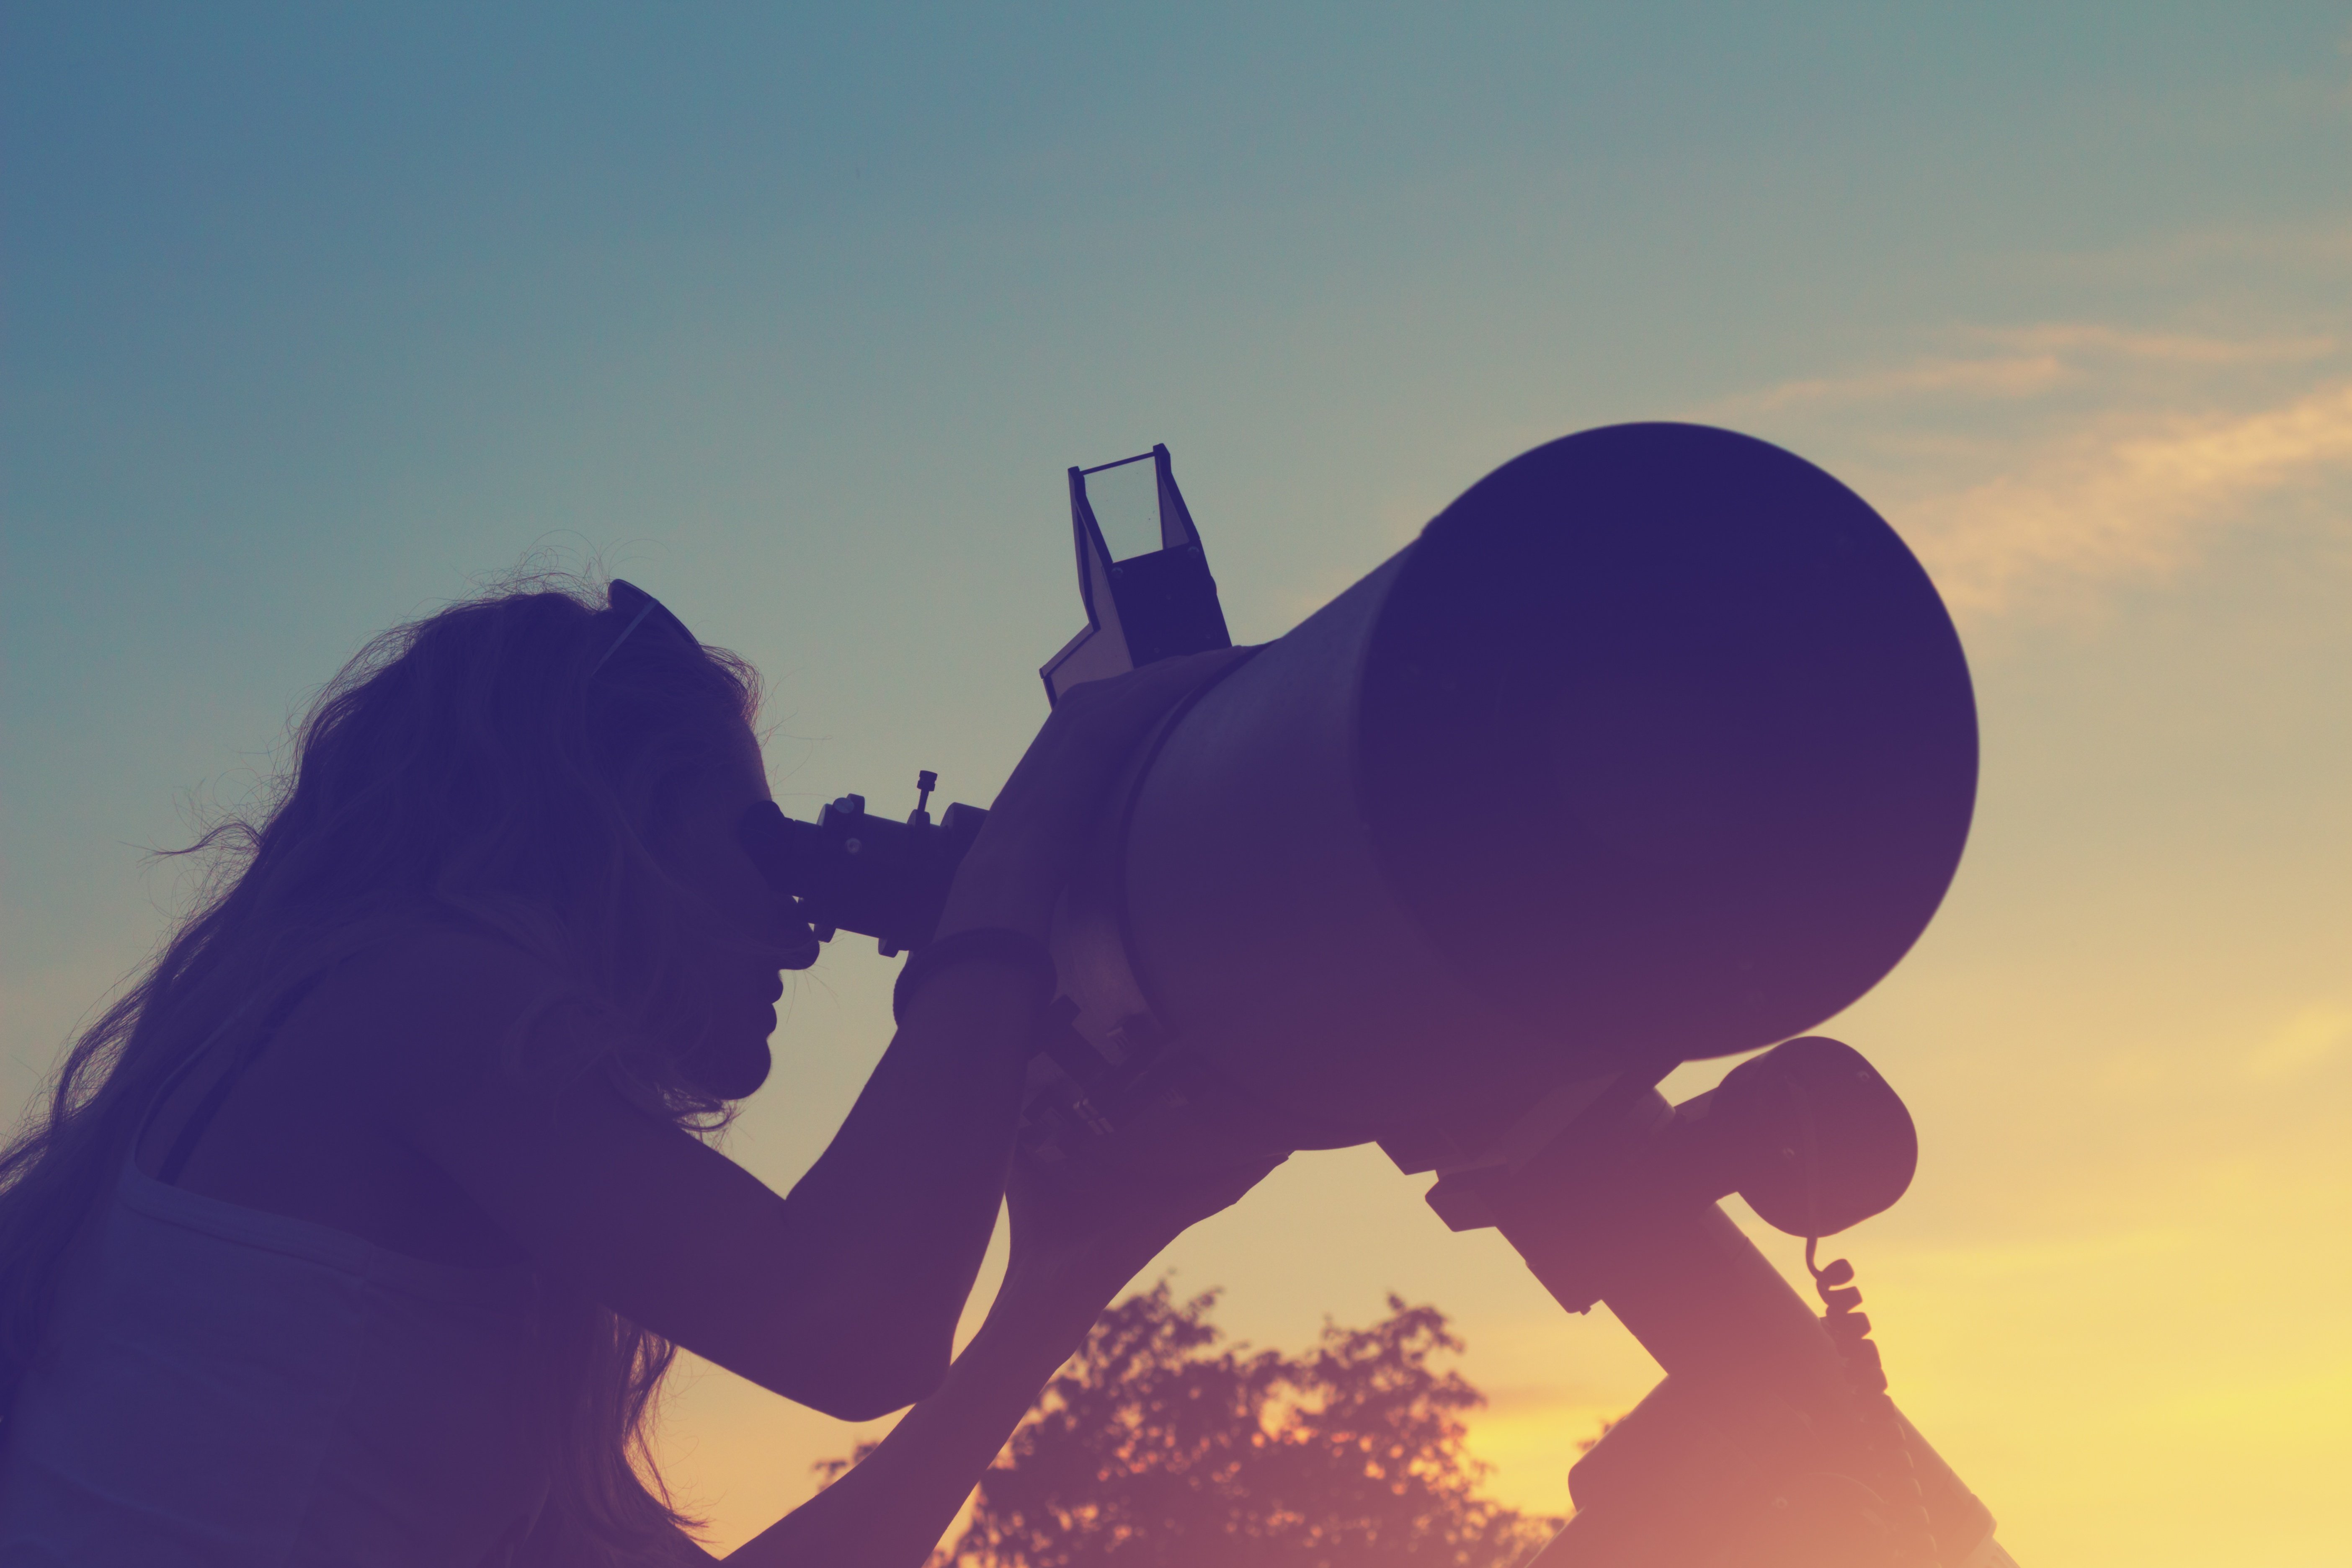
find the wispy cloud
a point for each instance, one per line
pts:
(2015, 376)
(2179, 348)
(2038, 465)
(2132, 497)
(2039, 359)
(2304, 1041)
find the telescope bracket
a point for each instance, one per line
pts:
(1759, 1439)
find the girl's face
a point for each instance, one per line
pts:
(754, 934)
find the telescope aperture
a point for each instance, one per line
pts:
(1719, 723)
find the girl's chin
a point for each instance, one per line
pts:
(733, 1069)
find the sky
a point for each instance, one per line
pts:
(319, 317)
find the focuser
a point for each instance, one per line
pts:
(852, 871)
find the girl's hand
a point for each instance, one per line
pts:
(1084, 1225)
(1045, 816)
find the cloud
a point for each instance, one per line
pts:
(2179, 348)
(2018, 376)
(2034, 466)
(2302, 1042)
(2043, 358)
(2133, 496)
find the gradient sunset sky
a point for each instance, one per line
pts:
(317, 316)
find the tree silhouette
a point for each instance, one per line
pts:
(1157, 1447)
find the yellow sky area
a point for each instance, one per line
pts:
(2313, 1036)
(2151, 1363)
(2170, 1394)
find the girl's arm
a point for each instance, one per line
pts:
(1080, 1232)
(892, 1508)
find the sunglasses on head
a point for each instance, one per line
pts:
(626, 597)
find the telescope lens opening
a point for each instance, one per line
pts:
(1668, 741)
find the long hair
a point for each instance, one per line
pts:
(502, 764)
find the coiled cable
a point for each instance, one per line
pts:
(1849, 1330)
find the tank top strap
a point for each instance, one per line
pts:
(191, 1131)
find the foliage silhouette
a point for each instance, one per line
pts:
(1157, 1447)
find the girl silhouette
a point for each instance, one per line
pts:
(361, 1228)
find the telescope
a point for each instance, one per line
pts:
(1657, 744)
